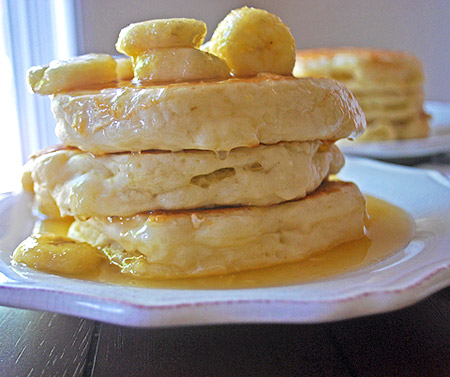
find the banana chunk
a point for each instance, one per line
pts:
(74, 73)
(252, 41)
(124, 69)
(51, 253)
(179, 64)
(137, 39)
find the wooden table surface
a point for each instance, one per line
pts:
(414, 341)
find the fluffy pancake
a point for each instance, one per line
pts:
(387, 85)
(391, 107)
(206, 242)
(216, 115)
(364, 66)
(71, 182)
(388, 102)
(392, 92)
(392, 113)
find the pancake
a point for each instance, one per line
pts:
(362, 67)
(75, 183)
(387, 85)
(392, 113)
(391, 107)
(392, 91)
(215, 115)
(208, 242)
(386, 102)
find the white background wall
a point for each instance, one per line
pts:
(419, 26)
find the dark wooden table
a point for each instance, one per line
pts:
(414, 341)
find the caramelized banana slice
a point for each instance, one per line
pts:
(62, 255)
(252, 41)
(124, 68)
(74, 73)
(138, 39)
(179, 64)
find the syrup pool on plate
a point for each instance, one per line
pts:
(388, 230)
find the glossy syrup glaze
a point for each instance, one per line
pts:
(388, 230)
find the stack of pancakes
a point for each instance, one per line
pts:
(387, 85)
(202, 177)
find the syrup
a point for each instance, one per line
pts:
(388, 230)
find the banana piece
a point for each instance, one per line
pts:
(252, 41)
(124, 69)
(137, 39)
(179, 64)
(52, 253)
(74, 73)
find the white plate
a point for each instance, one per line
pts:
(438, 142)
(413, 273)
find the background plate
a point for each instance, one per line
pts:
(438, 142)
(411, 274)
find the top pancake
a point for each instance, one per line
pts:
(215, 115)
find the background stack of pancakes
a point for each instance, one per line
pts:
(387, 84)
(203, 177)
